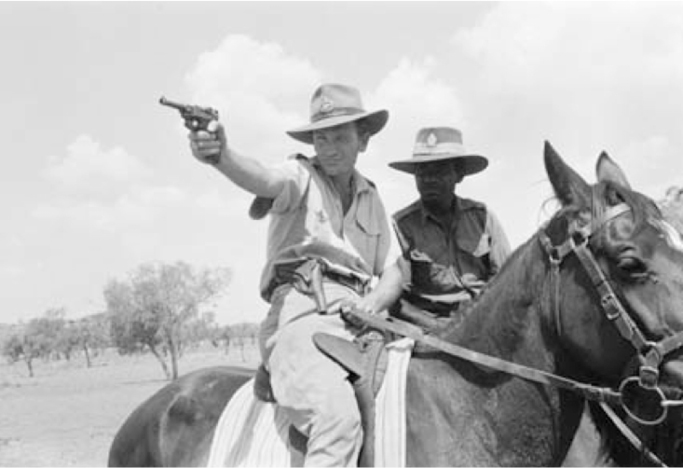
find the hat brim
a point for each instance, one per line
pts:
(466, 164)
(375, 120)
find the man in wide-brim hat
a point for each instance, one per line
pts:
(451, 245)
(323, 212)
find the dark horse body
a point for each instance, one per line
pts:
(461, 414)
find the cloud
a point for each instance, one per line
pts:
(105, 190)
(587, 76)
(568, 46)
(594, 72)
(10, 272)
(89, 168)
(654, 164)
(144, 208)
(162, 196)
(123, 214)
(417, 96)
(137, 207)
(260, 90)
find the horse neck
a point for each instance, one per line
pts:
(508, 319)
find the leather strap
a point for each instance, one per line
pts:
(409, 330)
(630, 436)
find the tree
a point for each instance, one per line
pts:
(91, 334)
(221, 336)
(199, 330)
(67, 339)
(31, 341)
(14, 348)
(242, 334)
(150, 309)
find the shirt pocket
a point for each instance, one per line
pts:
(369, 226)
(366, 239)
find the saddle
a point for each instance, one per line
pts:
(366, 361)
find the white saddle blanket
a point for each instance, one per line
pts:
(251, 432)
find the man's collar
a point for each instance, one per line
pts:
(456, 206)
(359, 182)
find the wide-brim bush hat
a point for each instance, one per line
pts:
(434, 144)
(337, 104)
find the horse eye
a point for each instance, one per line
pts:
(632, 266)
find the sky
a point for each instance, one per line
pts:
(97, 178)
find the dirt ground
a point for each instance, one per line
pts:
(67, 414)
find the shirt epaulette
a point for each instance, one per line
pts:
(403, 212)
(467, 204)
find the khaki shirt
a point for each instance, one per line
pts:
(445, 261)
(307, 220)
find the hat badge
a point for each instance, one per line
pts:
(326, 105)
(431, 140)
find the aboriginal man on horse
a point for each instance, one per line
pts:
(452, 246)
(327, 221)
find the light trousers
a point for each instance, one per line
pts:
(313, 389)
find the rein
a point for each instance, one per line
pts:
(603, 395)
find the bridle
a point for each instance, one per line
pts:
(651, 354)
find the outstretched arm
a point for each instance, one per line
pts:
(246, 172)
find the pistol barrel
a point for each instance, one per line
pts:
(176, 105)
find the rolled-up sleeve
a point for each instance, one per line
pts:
(297, 179)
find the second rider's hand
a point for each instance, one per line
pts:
(365, 304)
(208, 146)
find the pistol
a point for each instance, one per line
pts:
(196, 117)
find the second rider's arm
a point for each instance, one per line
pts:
(385, 293)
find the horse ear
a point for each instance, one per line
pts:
(570, 188)
(607, 169)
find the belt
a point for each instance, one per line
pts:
(306, 276)
(352, 282)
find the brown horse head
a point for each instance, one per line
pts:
(619, 304)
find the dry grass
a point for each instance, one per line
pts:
(67, 414)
